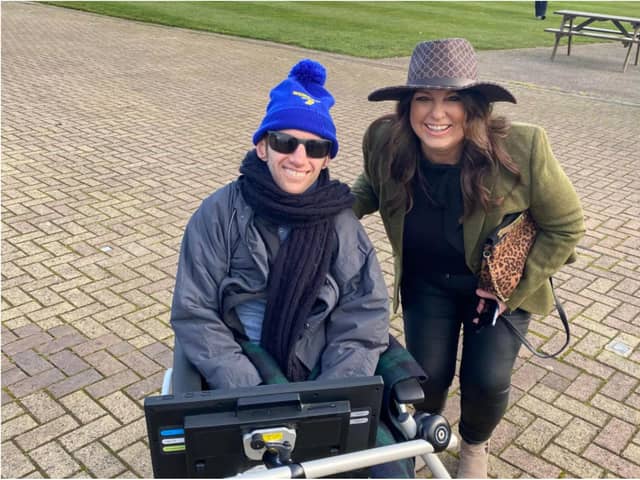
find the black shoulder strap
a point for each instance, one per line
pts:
(565, 323)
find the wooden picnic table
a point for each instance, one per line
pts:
(574, 23)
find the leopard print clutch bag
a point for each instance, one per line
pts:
(505, 253)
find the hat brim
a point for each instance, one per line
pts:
(491, 91)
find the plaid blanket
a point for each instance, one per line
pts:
(395, 364)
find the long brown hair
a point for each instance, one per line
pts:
(482, 154)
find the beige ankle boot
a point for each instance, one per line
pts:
(474, 460)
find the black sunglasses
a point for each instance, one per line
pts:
(284, 143)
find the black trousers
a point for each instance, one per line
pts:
(540, 8)
(434, 309)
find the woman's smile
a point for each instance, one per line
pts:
(438, 129)
(437, 118)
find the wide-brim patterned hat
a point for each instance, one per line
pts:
(449, 64)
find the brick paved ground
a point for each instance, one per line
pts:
(113, 132)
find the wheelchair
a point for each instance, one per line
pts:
(422, 435)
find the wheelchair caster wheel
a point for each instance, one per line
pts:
(436, 430)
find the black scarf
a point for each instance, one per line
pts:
(303, 259)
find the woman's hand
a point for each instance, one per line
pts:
(483, 294)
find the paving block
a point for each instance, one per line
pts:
(527, 376)
(537, 435)
(613, 463)
(88, 433)
(615, 435)
(54, 460)
(530, 464)
(15, 464)
(541, 409)
(138, 458)
(105, 363)
(61, 343)
(82, 406)
(584, 387)
(632, 453)
(112, 383)
(68, 362)
(36, 382)
(75, 382)
(12, 375)
(576, 436)
(26, 343)
(504, 435)
(617, 409)
(140, 363)
(576, 466)
(127, 435)
(45, 433)
(122, 407)
(99, 461)
(42, 407)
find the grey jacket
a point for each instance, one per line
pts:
(222, 252)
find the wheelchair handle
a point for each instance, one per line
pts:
(324, 467)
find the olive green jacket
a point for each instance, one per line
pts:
(544, 188)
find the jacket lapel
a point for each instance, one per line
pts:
(472, 228)
(479, 224)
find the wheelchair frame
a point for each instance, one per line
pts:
(366, 458)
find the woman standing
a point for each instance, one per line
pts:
(443, 171)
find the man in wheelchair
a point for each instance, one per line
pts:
(277, 280)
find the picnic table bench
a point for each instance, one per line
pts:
(576, 23)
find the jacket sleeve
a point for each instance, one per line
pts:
(196, 314)
(556, 209)
(357, 331)
(363, 188)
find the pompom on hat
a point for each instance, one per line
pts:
(301, 102)
(449, 64)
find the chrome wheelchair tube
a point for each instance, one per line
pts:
(350, 461)
(405, 421)
(435, 465)
(166, 382)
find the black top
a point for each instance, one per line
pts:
(433, 236)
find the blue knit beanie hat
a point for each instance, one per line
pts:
(301, 102)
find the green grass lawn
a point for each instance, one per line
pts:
(362, 29)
